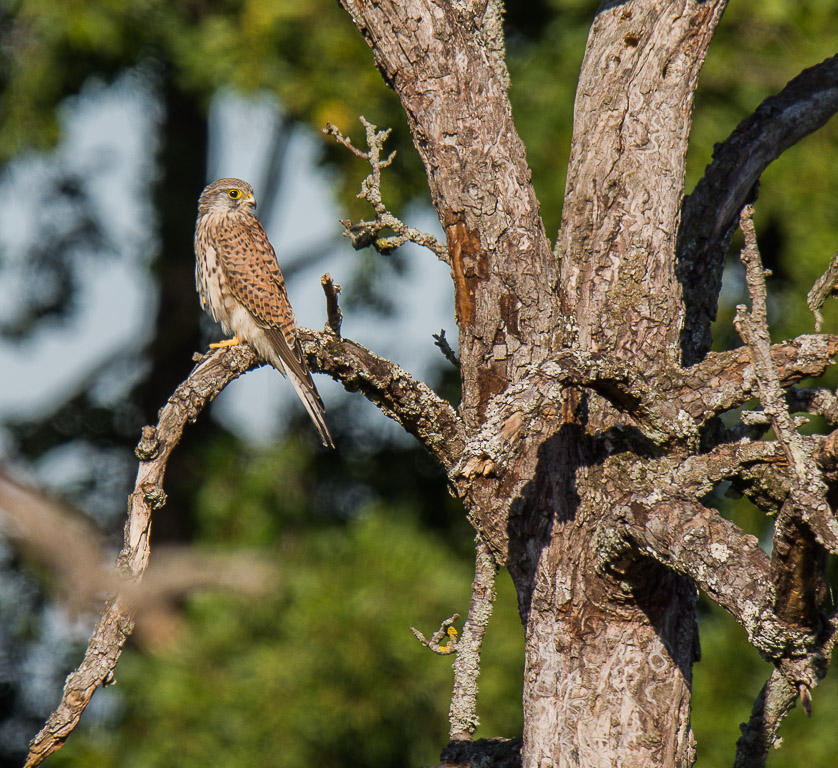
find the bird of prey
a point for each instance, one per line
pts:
(241, 286)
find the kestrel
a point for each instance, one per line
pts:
(241, 286)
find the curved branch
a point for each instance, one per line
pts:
(414, 405)
(726, 563)
(658, 418)
(116, 621)
(409, 402)
(710, 213)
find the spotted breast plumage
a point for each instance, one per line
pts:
(241, 286)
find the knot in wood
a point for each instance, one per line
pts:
(148, 446)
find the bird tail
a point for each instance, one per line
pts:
(314, 405)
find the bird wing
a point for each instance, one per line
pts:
(254, 278)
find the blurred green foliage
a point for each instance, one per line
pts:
(325, 671)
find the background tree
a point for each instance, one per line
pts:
(582, 449)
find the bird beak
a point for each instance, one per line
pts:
(251, 201)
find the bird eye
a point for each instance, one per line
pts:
(234, 194)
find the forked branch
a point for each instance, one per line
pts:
(368, 233)
(410, 402)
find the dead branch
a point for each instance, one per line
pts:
(823, 288)
(333, 314)
(116, 621)
(444, 347)
(778, 697)
(808, 490)
(710, 212)
(798, 558)
(446, 630)
(367, 233)
(462, 713)
(410, 403)
(724, 562)
(696, 475)
(726, 380)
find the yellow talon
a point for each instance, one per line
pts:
(226, 343)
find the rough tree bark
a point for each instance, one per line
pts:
(582, 427)
(588, 434)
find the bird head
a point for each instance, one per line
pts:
(226, 196)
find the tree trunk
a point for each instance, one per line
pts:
(608, 658)
(608, 667)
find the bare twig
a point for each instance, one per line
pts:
(823, 288)
(808, 493)
(366, 233)
(116, 621)
(462, 714)
(333, 314)
(446, 629)
(441, 342)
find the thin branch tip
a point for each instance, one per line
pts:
(444, 347)
(446, 629)
(334, 315)
(364, 234)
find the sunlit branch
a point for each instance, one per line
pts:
(365, 233)
(116, 621)
(414, 405)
